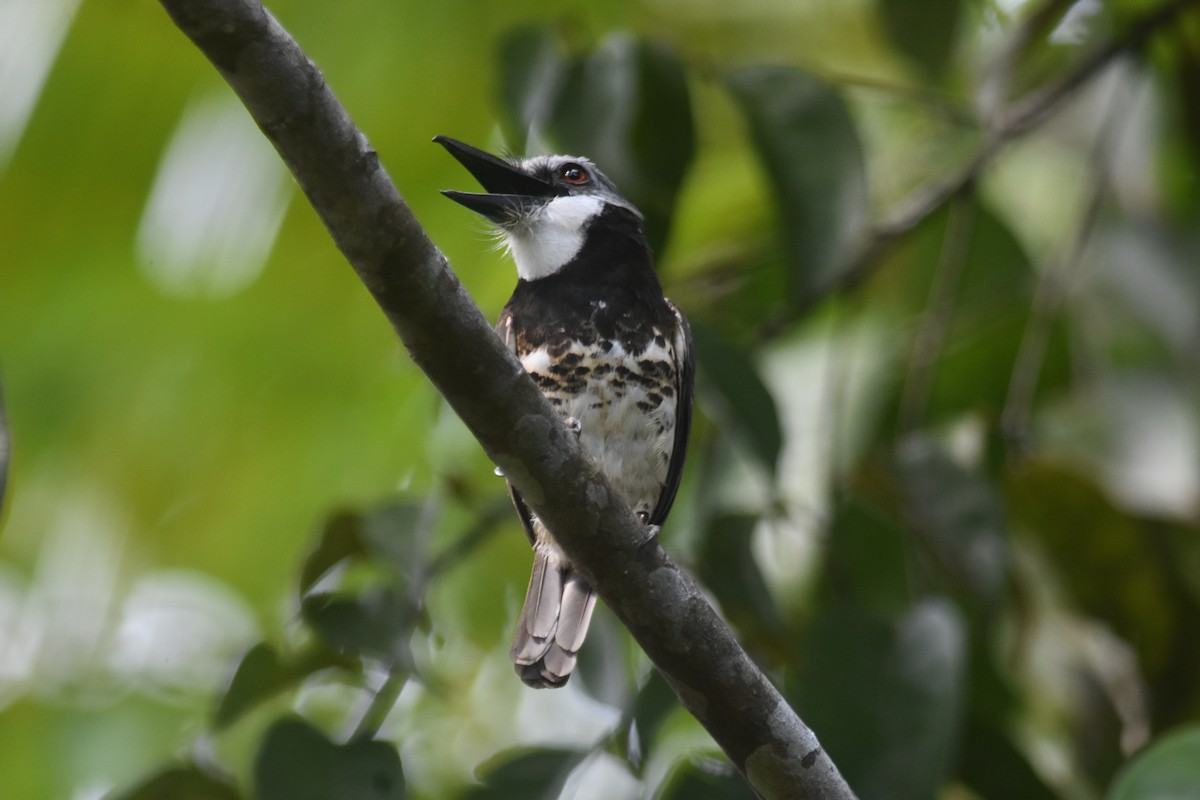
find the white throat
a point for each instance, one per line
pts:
(547, 241)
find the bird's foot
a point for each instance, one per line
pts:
(574, 426)
(652, 531)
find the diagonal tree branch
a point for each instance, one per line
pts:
(449, 339)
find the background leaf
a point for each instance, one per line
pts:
(959, 517)
(532, 72)
(727, 567)
(367, 604)
(297, 762)
(375, 621)
(991, 762)
(924, 32)
(730, 384)
(185, 782)
(625, 104)
(1129, 573)
(263, 673)
(808, 145)
(341, 540)
(1170, 768)
(867, 559)
(655, 701)
(5, 446)
(700, 777)
(886, 696)
(525, 774)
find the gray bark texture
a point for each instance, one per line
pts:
(449, 339)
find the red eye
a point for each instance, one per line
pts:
(573, 173)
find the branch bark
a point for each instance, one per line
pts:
(449, 339)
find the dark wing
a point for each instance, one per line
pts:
(504, 330)
(685, 378)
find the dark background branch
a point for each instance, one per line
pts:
(1020, 117)
(449, 339)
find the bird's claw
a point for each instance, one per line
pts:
(652, 531)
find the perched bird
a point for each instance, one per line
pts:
(589, 323)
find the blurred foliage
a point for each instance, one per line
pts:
(945, 476)
(3, 453)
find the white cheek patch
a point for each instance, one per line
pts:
(546, 242)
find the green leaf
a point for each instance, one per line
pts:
(994, 767)
(867, 559)
(368, 609)
(4, 451)
(532, 72)
(182, 782)
(726, 566)
(376, 622)
(297, 762)
(625, 105)
(925, 32)
(1169, 769)
(341, 540)
(392, 534)
(654, 703)
(701, 777)
(1184, 54)
(525, 774)
(809, 147)
(387, 534)
(1114, 570)
(262, 674)
(959, 516)
(731, 386)
(987, 318)
(886, 697)
(991, 315)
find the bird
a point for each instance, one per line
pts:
(590, 325)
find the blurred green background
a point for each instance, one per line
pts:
(945, 482)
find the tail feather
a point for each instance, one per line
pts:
(553, 623)
(578, 602)
(542, 601)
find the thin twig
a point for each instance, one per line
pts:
(383, 697)
(1036, 105)
(1022, 116)
(943, 104)
(939, 313)
(1053, 284)
(997, 76)
(383, 700)
(487, 523)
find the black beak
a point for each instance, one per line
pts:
(510, 191)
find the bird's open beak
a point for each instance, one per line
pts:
(510, 192)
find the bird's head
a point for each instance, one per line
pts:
(544, 205)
